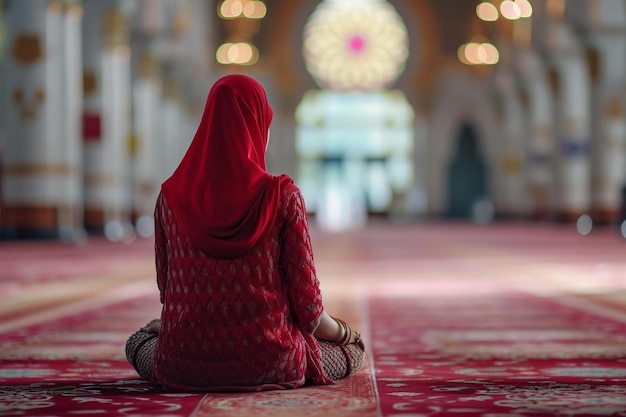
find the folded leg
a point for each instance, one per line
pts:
(140, 352)
(341, 361)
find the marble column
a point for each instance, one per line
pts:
(174, 138)
(572, 124)
(4, 97)
(540, 147)
(147, 134)
(93, 49)
(42, 193)
(573, 135)
(607, 59)
(511, 164)
(107, 121)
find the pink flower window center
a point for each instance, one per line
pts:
(356, 44)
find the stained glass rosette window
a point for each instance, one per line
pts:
(355, 45)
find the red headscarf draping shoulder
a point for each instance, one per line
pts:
(221, 193)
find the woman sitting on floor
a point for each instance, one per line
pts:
(242, 307)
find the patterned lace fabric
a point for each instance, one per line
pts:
(341, 361)
(243, 323)
(140, 348)
(337, 361)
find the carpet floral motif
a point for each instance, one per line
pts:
(496, 357)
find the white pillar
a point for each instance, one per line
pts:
(173, 140)
(606, 38)
(42, 170)
(116, 127)
(572, 120)
(540, 172)
(147, 96)
(93, 51)
(573, 135)
(512, 158)
(71, 217)
(4, 101)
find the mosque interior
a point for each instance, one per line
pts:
(474, 110)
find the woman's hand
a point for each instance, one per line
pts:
(337, 331)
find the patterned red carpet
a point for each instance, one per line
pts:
(461, 320)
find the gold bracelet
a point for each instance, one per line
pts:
(347, 332)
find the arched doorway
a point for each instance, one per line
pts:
(467, 175)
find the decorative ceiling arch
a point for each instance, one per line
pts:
(281, 43)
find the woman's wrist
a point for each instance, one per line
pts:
(348, 335)
(336, 331)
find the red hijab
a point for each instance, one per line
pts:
(221, 193)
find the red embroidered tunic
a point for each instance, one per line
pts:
(244, 323)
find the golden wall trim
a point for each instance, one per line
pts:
(38, 169)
